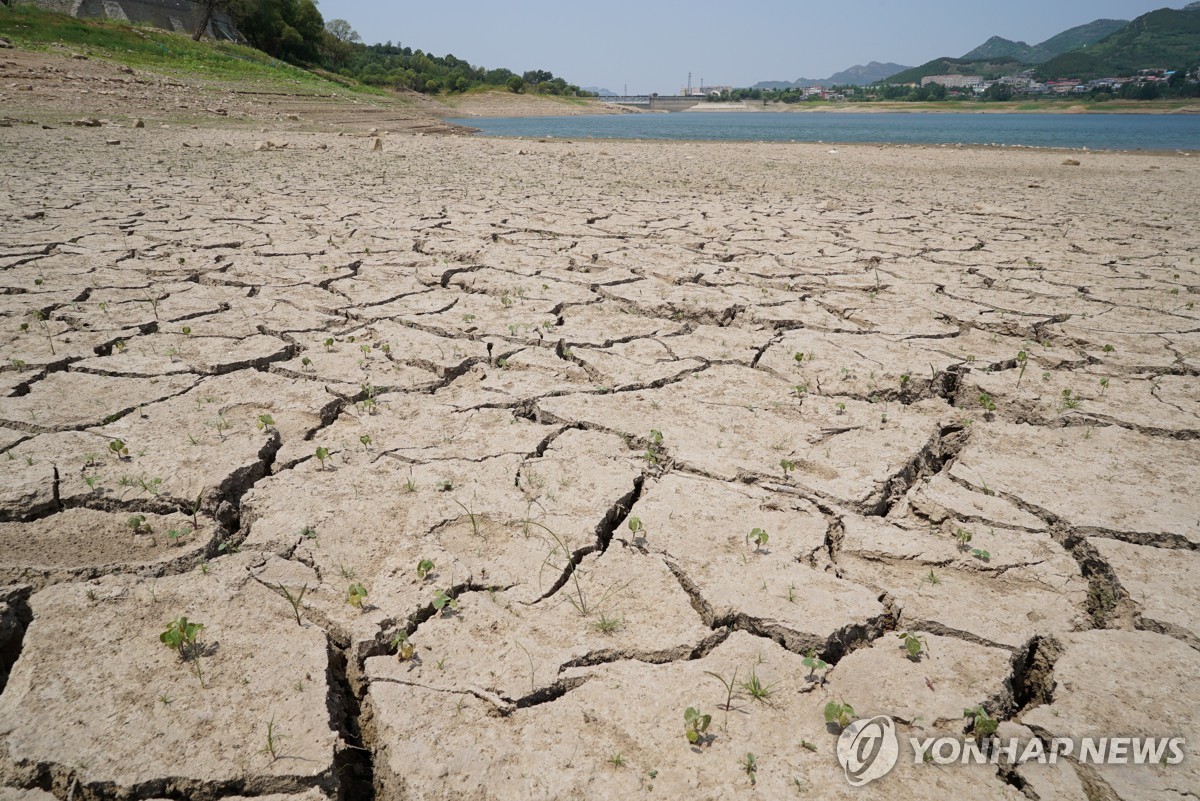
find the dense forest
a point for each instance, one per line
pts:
(295, 31)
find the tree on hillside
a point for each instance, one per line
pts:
(292, 30)
(515, 84)
(341, 30)
(207, 7)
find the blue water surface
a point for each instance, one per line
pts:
(1093, 131)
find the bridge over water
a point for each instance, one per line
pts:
(655, 102)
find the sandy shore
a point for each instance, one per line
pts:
(956, 389)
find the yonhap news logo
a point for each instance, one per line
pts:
(868, 749)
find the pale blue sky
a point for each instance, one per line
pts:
(651, 46)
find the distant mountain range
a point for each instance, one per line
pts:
(1167, 38)
(1072, 39)
(858, 75)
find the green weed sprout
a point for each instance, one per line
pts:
(294, 600)
(840, 713)
(963, 536)
(913, 645)
(442, 600)
(787, 466)
(981, 554)
(181, 635)
(264, 422)
(750, 767)
(730, 686)
(695, 724)
(758, 537)
(1022, 362)
(404, 648)
(118, 447)
(756, 689)
(981, 724)
(322, 454)
(355, 595)
(424, 568)
(814, 663)
(136, 522)
(636, 527)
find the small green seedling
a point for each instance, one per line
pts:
(981, 554)
(914, 645)
(841, 408)
(981, 724)
(305, 363)
(442, 600)
(963, 536)
(322, 453)
(787, 466)
(636, 527)
(273, 739)
(118, 447)
(136, 522)
(756, 689)
(840, 713)
(616, 760)
(695, 724)
(1109, 349)
(758, 537)
(985, 400)
(932, 578)
(750, 767)
(295, 600)
(264, 422)
(328, 343)
(356, 594)
(1103, 385)
(813, 663)
(608, 625)
(424, 568)
(1022, 362)
(182, 636)
(365, 439)
(176, 534)
(404, 648)
(730, 686)
(1070, 400)
(186, 330)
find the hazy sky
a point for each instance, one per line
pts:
(651, 46)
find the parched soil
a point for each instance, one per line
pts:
(956, 388)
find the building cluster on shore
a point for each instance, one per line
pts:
(1026, 83)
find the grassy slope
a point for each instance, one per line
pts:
(956, 66)
(163, 51)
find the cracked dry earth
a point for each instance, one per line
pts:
(511, 353)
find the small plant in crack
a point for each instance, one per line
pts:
(754, 687)
(425, 567)
(137, 524)
(402, 645)
(981, 555)
(985, 400)
(695, 725)
(730, 686)
(119, 449)
(365, 439)
(322, 453)
(44, 324)
(815, 665)
(1103, 387)
(839, 712)
(294, 600)
(980, 724)
(150, 486)
(264, 422)
(444, 602)
(182, 636)
(750, 768)
(787, 465)
(328, 343)
(1022, 362)
(177, 534)
(616, 760)
(356, 595)
(914, 646)
(759, 538)
(932, 578)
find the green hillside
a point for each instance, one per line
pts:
(1071, 39)
(958, 66)
(1162, 39)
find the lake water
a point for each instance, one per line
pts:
(1093, 131)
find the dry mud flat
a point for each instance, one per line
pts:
(574, 377)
